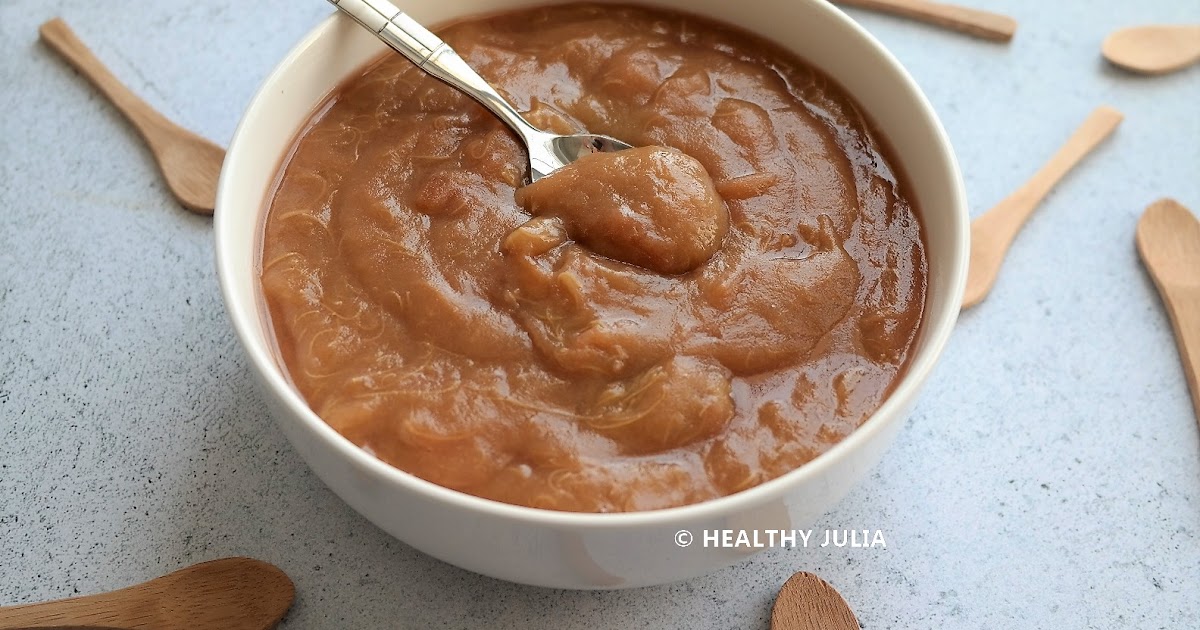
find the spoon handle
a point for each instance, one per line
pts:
(407, 37)
(226, 594)
(1183, 304)
(983, 24)
(150, 124)
(106, 610)
(994, 230)
(1099, 124)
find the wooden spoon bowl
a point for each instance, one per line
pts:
(1154, 49)
(806, 602)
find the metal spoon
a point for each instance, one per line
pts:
(547, 151)
(1154, 49)
(227, 594)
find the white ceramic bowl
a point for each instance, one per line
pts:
(569, 550)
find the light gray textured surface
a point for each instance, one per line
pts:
(1050, 476)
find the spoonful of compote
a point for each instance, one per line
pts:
(547, 151)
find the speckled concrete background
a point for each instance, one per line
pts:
(1050, 476)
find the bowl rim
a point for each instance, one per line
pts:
(936, 328)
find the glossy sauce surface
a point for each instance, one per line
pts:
(647, 329)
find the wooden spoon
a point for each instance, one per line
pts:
(1168, 239)
(1154, 49)
(993, 232)
(806, 602)
(228, 594)
(975, 22)
(189, 163)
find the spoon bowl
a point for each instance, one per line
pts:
(806, 602)
(548, 152)
(1155, 48)
(557, 151)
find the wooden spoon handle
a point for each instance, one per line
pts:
(975, 22)
(993, 232)
(1009, 215)
(1099, 124)
(63, 40)
(1183, 303)
(106, 610)
(226, 594)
